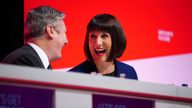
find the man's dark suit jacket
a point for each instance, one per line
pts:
(25, 56)
(88, 67)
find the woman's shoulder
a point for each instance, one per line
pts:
(127, 69)
(123, 65)
(83, 67)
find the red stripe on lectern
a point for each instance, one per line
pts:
(95, 89)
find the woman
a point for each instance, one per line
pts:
(104, 42)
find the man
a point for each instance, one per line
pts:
(44, 39)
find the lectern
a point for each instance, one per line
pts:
(27, 87)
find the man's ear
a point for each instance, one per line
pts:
(50, 30)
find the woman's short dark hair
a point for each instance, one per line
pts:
(106, 23)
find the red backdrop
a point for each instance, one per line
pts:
(140, 19)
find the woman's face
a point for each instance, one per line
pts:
(100, 45)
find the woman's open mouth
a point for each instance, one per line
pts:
(100, 52)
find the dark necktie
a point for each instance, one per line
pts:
(49, 67)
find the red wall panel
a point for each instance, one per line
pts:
(141, 21)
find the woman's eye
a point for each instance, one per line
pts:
(92, 36)
(104, 36)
